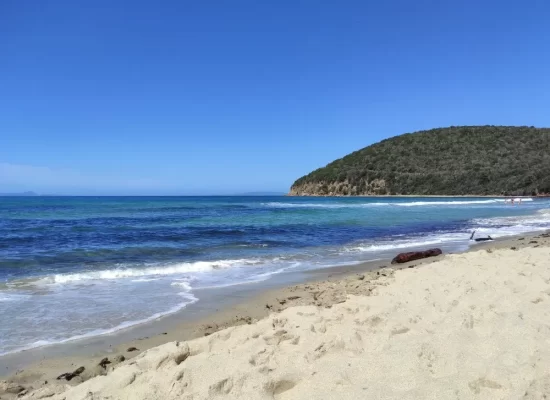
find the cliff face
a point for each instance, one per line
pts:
(345, 188)
(469, 160)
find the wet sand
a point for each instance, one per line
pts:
(233, 306)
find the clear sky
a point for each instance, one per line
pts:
(218, 97)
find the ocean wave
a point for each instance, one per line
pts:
(120, 273)
(504, 226)
(397, 204)
(497, 227)
(404, 244)
(458, 202)
(12, 297)
(182, 283)
(319, 205)
(252, 279)
(189, 299)
(539, 219)
(145, 280)
(267, 275)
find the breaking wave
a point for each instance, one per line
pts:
(393, 204)
(120, 273)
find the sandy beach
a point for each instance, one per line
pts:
(274, 200)
(470, 325)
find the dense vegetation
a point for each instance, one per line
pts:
(465, 160)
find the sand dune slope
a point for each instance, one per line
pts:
(472, 326)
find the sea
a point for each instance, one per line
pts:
(75, 267)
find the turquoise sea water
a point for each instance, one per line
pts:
(73, 267)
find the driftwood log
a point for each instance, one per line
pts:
(415, 255)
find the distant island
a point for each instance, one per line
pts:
(262, 194)
(459, 160)
(19, 194)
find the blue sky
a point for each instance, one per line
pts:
(218, 97)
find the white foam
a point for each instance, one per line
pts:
(319, 205)
(458, 202)
(497, 227)
(510, 230)
(182, 284)
(447, 203)
(12, 297)
(403, 244)
(120, 273)
(267, 275)
(397, 204)
(190, 299)
(263, 276)
(513, 225)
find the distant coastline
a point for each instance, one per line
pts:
(20, 194)
(261, 194)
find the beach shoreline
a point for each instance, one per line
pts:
(242, 307)
(169, 250)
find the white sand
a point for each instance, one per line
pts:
(472, 326)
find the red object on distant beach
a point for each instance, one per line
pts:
(415, 255)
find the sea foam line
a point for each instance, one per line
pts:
(13, 297)
(404, 244)
(497, 227)
(397, 204)
(100, 332)
(458, 202)
(120, 273)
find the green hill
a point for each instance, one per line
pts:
(464, 160)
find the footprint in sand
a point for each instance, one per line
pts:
(476, 386)
(428, 357)
(221, 387)
(276, 387)
(468, 322)
(261, 357)
(371, 322)
(279, 322)
(278, 337)
(399, 331)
